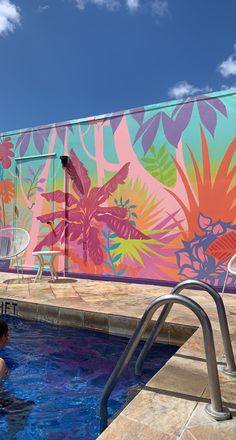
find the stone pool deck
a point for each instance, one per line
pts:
(171, 405)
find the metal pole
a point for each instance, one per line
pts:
(229, 355)
(215, 409)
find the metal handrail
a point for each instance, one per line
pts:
(229, 355)
(215, 409)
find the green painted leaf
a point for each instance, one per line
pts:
(116, 258)
(160, 165)
(104, 234)
(114, 246)
(113, 235)
(121, 272)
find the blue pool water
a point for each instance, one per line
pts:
(56, 376)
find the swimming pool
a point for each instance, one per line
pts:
(57, 374)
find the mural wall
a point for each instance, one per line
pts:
(149, 193)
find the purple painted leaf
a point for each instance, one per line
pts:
(115, 122)
(24, 143)
(144, 127)
(94, 246)
(207, 116)
(40, 168)
(42, 180)
(149, 136)
(171, 130)
(39, 189)
(70, 127)
(204, 222)
(218, 104)
(19, 140)
(138, 115)
(178, 107)
(46, 133)
(184, 115)
(38, 140)
(61, 132)
(27, 179)
(31, 171)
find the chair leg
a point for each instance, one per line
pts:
(226, 276)
(17, 269)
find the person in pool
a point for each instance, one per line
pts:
(4, 338)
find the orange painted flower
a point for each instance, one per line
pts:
(7, 190)
(6, 153)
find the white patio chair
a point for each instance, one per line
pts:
(231, 268)
(13, 242)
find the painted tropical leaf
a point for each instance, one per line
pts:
(83, 213)
(81, 171)
(94, 246)
(213, 198)
(60, 197)
(160, 165)
(224, 247)
(100, 195)
(7, 190)
(123, 228)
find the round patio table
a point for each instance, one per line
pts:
(42, 263)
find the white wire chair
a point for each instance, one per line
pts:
(231, 268)
(13, 242)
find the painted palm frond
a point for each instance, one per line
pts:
(83, 214)
(214, 197)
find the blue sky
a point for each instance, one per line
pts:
(66, 59)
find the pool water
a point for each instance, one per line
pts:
(56, 376)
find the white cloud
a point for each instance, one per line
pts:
(9, 16)
(228, 67)
(41, 8)
(160, 7)
(111, 5)
(157, 7)
(183, 88)
(133, 5)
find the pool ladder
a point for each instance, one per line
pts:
(215, 409)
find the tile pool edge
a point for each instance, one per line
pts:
(114, 324)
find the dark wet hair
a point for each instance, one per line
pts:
(3, 328)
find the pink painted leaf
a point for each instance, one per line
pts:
(224, 247)
(52, 238)
(77, 184)
(81, 171)
(51, 216)
(94, 247)
(60, 197)
(74, 231)
(100, 195)
(114, 210)
(122, 228)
